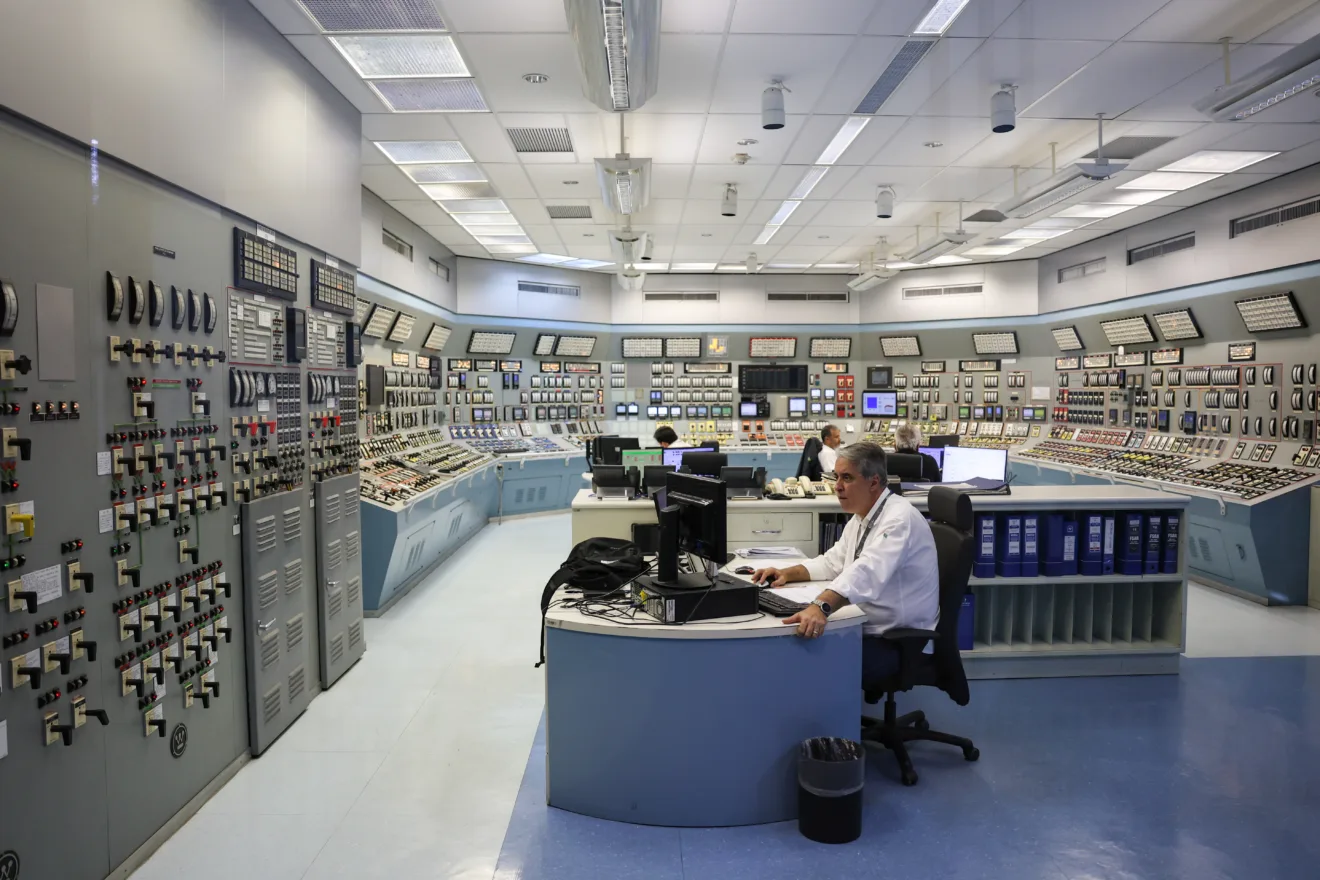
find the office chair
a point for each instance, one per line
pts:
(809, 463)
(905, 466)
(951, 523)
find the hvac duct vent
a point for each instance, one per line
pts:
(1160, 248)
(957, 290)
(1081, 270)
(569, 212)
(903, 64)
(1131, 147)
(808, 297)
(354, 15)
(685, 296)
(541, 140)
(445, 95)
(552, 289)
(1274, 217)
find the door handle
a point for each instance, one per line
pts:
(767, 531)
(264, 628)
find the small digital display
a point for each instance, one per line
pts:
(879, 404)
(880, 377)
(797, 406)
(747, 409)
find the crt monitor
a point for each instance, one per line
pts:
(633, 409)
(880, 377)
(935, 452)
(692, 511)
(877, 404)
(704, 463)
(609, 450)
(964, 463)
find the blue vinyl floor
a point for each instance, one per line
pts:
(1211, 774)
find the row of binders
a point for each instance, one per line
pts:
(1066, 544)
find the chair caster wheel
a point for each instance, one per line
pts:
(923, 724)
(909, 778)
(971, 753)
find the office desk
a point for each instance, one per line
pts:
(696, 725)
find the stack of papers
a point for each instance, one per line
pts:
(770, 553)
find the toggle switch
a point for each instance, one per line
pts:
(79, 646)
(137, 684)
(56, 732)
(64, 661)
(20, 598)
(157, 724)
(10, 364)
(225, 631)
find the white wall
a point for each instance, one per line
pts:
(203, 93)
(1215, 256)
(742, 300)
(393, 268)
(1008, 290)
(490, 287)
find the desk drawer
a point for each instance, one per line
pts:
(769, 528)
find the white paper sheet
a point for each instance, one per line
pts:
(770, 553)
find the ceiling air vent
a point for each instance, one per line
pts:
(954, 290)
(684, 296)
(552, 289)
(1081, 270)
(904, 62)
(569, 212)
(808, 297)
(1274, 217)
(541, 140)
(1127, 148)
(1160, 248)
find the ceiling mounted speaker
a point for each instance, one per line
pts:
(618, 47)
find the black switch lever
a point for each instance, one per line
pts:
(130, 519)
(135, 575)
(130, 464)
(225, 631)
(149, 349)
(205, 405)
(175, 611)
(171, 459)
(246, 493)
(99, 714)
(23, 364)
(135, 629)
(221, 585)
(65, 660)
(193, 600)
(89, 647)
(195, 649)
(65, 731)
(191, 504)
(223, 495)
(29, 598)
(150, 461)
(172, 508)
(213, 641)
(86, 579)
(209, 594)
(149, 406)
(24, 445)
(159, 724)
(191, 553)
(34, 675)
(138, 684)
(158, 672)
(205, 698)
(153, 619)
(212, 686)
(125, 348)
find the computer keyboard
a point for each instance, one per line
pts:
(773, 603)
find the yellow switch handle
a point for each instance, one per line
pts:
(27, 521)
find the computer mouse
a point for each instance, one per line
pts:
(745, 569)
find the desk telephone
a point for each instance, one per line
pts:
(795, 488)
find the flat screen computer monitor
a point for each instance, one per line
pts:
(743, 481)
(942, 440)
(705, 463)
(702, 511)
(880, 377)
(650, 411)
(797, 406)
(674, 457)
(879, 404)
(653, 477)
(712, 445)
(609, 450)
(640, 458)
(963, 463)
(935, 452)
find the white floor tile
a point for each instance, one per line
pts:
(1222, 625)
(286, 781)
(252, 847)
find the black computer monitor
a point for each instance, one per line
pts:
(942, 440)
(706, 464)
(653, 477)
(609, 450)
(612, 479)
(692, 511)
(743, 482)
(712, 445)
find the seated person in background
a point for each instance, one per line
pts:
(830, 440)
(667, 437)
(885, 563)
(908, 439)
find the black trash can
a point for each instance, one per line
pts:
(831, 774)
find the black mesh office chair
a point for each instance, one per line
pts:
(809, 463)
(951, 523)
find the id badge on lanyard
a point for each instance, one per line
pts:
(870, 524)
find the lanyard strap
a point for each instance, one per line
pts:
(870, 523)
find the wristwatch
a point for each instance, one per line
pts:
(823, 606)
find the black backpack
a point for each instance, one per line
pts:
(596, 566)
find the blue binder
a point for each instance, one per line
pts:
(1131, 543)
(1060, 545)
(1092, 544)
(1107, 553)
(1172, 521)
(984, 566)
(1030, 545)
(1154, 543)
(967, 623)
(1009, 561)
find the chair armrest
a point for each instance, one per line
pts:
(901, 633)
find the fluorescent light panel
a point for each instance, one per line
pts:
(852, 126)
(493, 219)
(430, 95)
(421, 152)
(466, 172)
(948, 260)
(509, 249)
(1219, 161)
(474, 206)
(995, 343)
(1177, 181)
(502, 239)
(900, 346)
(785, 211)
(1128, 331)
(786, 266)
(1067, 339)
(401, 56)
(1278, 311)
(809, 181)
(398, 15)
(1094, 212)
(1034, 233)
(544, 259)
(691, 267)
(940, 17)
(767, 233)
(835, 267)
(1177, 324)
(991, 250)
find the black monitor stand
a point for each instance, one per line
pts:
(667, 573)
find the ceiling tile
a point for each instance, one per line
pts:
(763, 210)
(694, 16)
(1174, 102)
(798, 253)
(691, 233)
(847, 213)
(796, 17)
(512, 182)
(719, 140)
(582, 236)
(982, 18)
(670, 181)
(423, 212)
(664, 138)
(528, 211)
(665, 212)
(1267, 136)
(1029, 143)
(871, 140)
(934, 70)
(588, 133)
(1206, 21)
(499, 61)
(483, 137)
(1075, 19)
(550, 183)
(1034, 66)
(407, 127)
(372, 155)
(804, 63)
(708, 181)
(1122, 77)
(687, 72)
(898, 17)
(1298, 29)
(866, 60)
(833, 236)
(969, 184)
(697, 253)
(956, 135)
(332, 65)
(388, 182)
(547, 238)
(499, 16)
(905, 180)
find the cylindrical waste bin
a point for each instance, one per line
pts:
(831, 774)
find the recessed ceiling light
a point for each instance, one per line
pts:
(994, 250)
(785, 211)
(511, 248)
(536, 79)
(461, 191)
(705, 235)
(835, 267)
(691, 267)
(1133, 196)
(901, 264)
(449, 172)
(474, 206)
(402, 55)
(731, 267)
(932, 145)
(1035, 233)
(808, 181)
(1169, 180)
(948, 259)
(1219, 161)
(430, 95)
(767, 233)
(570, 183)
(940, 17)
(1097, 212)
(852, 126)
(492, 219)
(586, 264)
(502, 239)
(419, 152)
(786, 266)
(545, 259)
(508, 229)
(398, 15)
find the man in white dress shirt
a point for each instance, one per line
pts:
(885, 563)
(830, 441)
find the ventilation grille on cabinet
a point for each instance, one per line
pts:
(337, 648)
(569, 212)
(541, 140)
(334, 554)
(1081, 270)
(265, 534)
(354, 591)
(1130, 147)
(332, 504)
(355, 634)
(456, 525)
(268, 589)
(293, 632)
(956, 290)
(297, 682)
(292, 524)
(1160, 248)
(334, 603)
(293, 577)
(841, 297)
(270, 704)
(351, 545)
(350, 502)
(1274, 217)
(908, 57)
(687, 295)
(551, 289)
(270, 649)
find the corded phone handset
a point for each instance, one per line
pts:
(821, 487)
(786, 490)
